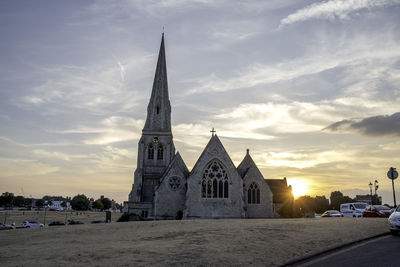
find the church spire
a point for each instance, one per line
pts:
(159, 108)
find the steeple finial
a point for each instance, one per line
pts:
(212, 131)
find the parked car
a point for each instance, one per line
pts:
(5, 227)
(332, 213)
(353, 209)
(394, 221)
(31, 224)
(97, 221)
(377, 211)
(72, 222)
(56, 223)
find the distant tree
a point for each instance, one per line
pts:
(28, 202)
(289, 210)
(106, 203)
(39, 203)
(19, 201)
(305, 204)
(80, 202)
(337, 198)
(321, 204)
(49, 202)
(64, 204)
(98, 205)
(376, 200)
(6, 199)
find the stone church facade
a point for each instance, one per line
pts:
(163, 186)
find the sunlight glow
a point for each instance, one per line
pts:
(299, 187)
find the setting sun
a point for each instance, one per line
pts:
(299, 187)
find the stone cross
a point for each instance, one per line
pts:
(213, 131)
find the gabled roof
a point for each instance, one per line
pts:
(247, 164)
(176, 161)
(214, 142)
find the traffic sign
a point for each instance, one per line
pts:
(392, 173)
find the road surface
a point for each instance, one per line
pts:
(383, 251)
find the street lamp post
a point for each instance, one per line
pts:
(370, 189)
(376, 186)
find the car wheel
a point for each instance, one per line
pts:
(28, 227)
(354, 216)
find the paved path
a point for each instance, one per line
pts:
(383, 251)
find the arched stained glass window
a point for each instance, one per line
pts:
(215, 181)
(160, 152)
(150, 152)
(253, 194)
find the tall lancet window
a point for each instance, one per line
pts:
(160, 152)
(215, 181)
(253, 194)
(150, 152)
(158, 109)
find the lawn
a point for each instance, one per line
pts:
(222, 242)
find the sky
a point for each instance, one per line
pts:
(312, 88)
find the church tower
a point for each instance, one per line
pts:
(156, 148)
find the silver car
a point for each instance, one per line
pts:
(394, 221)
(31, 224)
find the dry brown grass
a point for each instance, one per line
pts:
(199, 242)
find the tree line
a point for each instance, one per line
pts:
(78, 202)
(319, 204)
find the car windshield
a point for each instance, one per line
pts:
(398, 208)
(360, 205)
(382, 208)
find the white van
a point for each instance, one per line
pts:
(353, 209)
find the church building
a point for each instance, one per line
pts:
(164, 188)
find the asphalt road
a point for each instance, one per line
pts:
(383, 251)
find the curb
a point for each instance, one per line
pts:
(304, 259)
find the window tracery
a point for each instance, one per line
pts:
(253, 194)
(150, 152)
(174, 182)
(160, 152)
(215, 181)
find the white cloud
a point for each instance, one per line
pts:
(316, 61)
(334, 9)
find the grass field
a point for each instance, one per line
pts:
(9, 216)
(234, 242)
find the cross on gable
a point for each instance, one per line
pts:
(213, 131)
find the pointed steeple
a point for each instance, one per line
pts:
(159, 108)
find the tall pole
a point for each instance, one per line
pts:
(370, 189)
(393, 174)
(394, 195)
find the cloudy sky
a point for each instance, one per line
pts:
(312, 88)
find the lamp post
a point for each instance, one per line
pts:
(376, 186)
(370, 188)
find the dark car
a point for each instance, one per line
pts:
(56, 223)
(331, 213)
(73, 222)
(5, 227)
(377, 211)
(97, 221)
